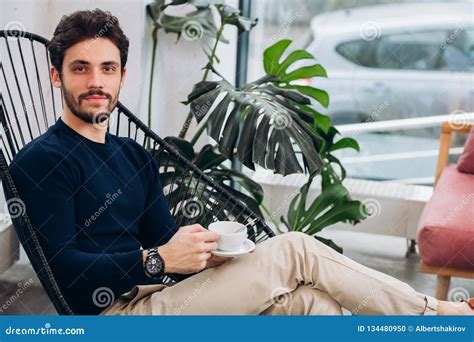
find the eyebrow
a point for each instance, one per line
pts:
(84, 62)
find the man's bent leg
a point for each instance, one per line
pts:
(303, 301)
(246, 285)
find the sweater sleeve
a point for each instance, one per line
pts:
(46, 185)
(157, 226)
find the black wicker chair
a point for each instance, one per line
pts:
(29, 105)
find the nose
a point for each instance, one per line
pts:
(95, 80)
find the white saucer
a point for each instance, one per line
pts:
(247, 247)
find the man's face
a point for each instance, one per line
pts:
(91, 79)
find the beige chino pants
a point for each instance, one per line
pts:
(290, 274)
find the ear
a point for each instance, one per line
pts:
(124, 73)
(55, 79)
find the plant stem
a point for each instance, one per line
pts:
(189, 118)
(277, 226)
(198, 133)
(150, 88)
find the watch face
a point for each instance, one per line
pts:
(154, 265)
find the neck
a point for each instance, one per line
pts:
(85, 129)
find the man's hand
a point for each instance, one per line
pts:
(188, 250)
(215, 260)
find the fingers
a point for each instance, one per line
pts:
(207, 256)
(210, 246)
(194, 228)
(208, 236)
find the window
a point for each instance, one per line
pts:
(410, 51)
(383, 87)
(359, 52)
(451, 50)
(458, 51)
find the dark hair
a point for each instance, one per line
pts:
(82, 25)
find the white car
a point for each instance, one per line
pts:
(396, 61)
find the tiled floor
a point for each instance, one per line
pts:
(386, 254)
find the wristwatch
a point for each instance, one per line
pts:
(154, 264)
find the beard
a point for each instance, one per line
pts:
(93, 115)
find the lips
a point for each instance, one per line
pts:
(96, 97)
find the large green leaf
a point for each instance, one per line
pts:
(330, 206)
(287, 72)
(343, 211)
(260, 122)
(346, 142)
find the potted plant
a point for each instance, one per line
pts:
(268, 122)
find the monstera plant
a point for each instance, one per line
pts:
(198, 24)
(270, 122)
(259, 122)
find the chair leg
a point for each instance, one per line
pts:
(442, 287)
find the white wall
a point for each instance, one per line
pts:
(178, 65)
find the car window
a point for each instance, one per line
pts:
(447, 50)
(458, 51)
(358, 52)
(410, 51)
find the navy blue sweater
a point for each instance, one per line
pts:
(95, 205)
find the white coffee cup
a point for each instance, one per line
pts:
(232, 235)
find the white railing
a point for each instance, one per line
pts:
(353, 130)
(406, 124)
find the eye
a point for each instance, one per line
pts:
(109, 69)
(79, 69)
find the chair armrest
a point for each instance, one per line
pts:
(445, 143)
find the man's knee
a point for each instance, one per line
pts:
(299, 237)
(305, 300)
(301, 240)
(296, 235)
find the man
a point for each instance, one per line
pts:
(97, 203)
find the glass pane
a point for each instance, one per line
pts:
(410, 51)
(359, 52)
(385, 62)
(458, 51)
